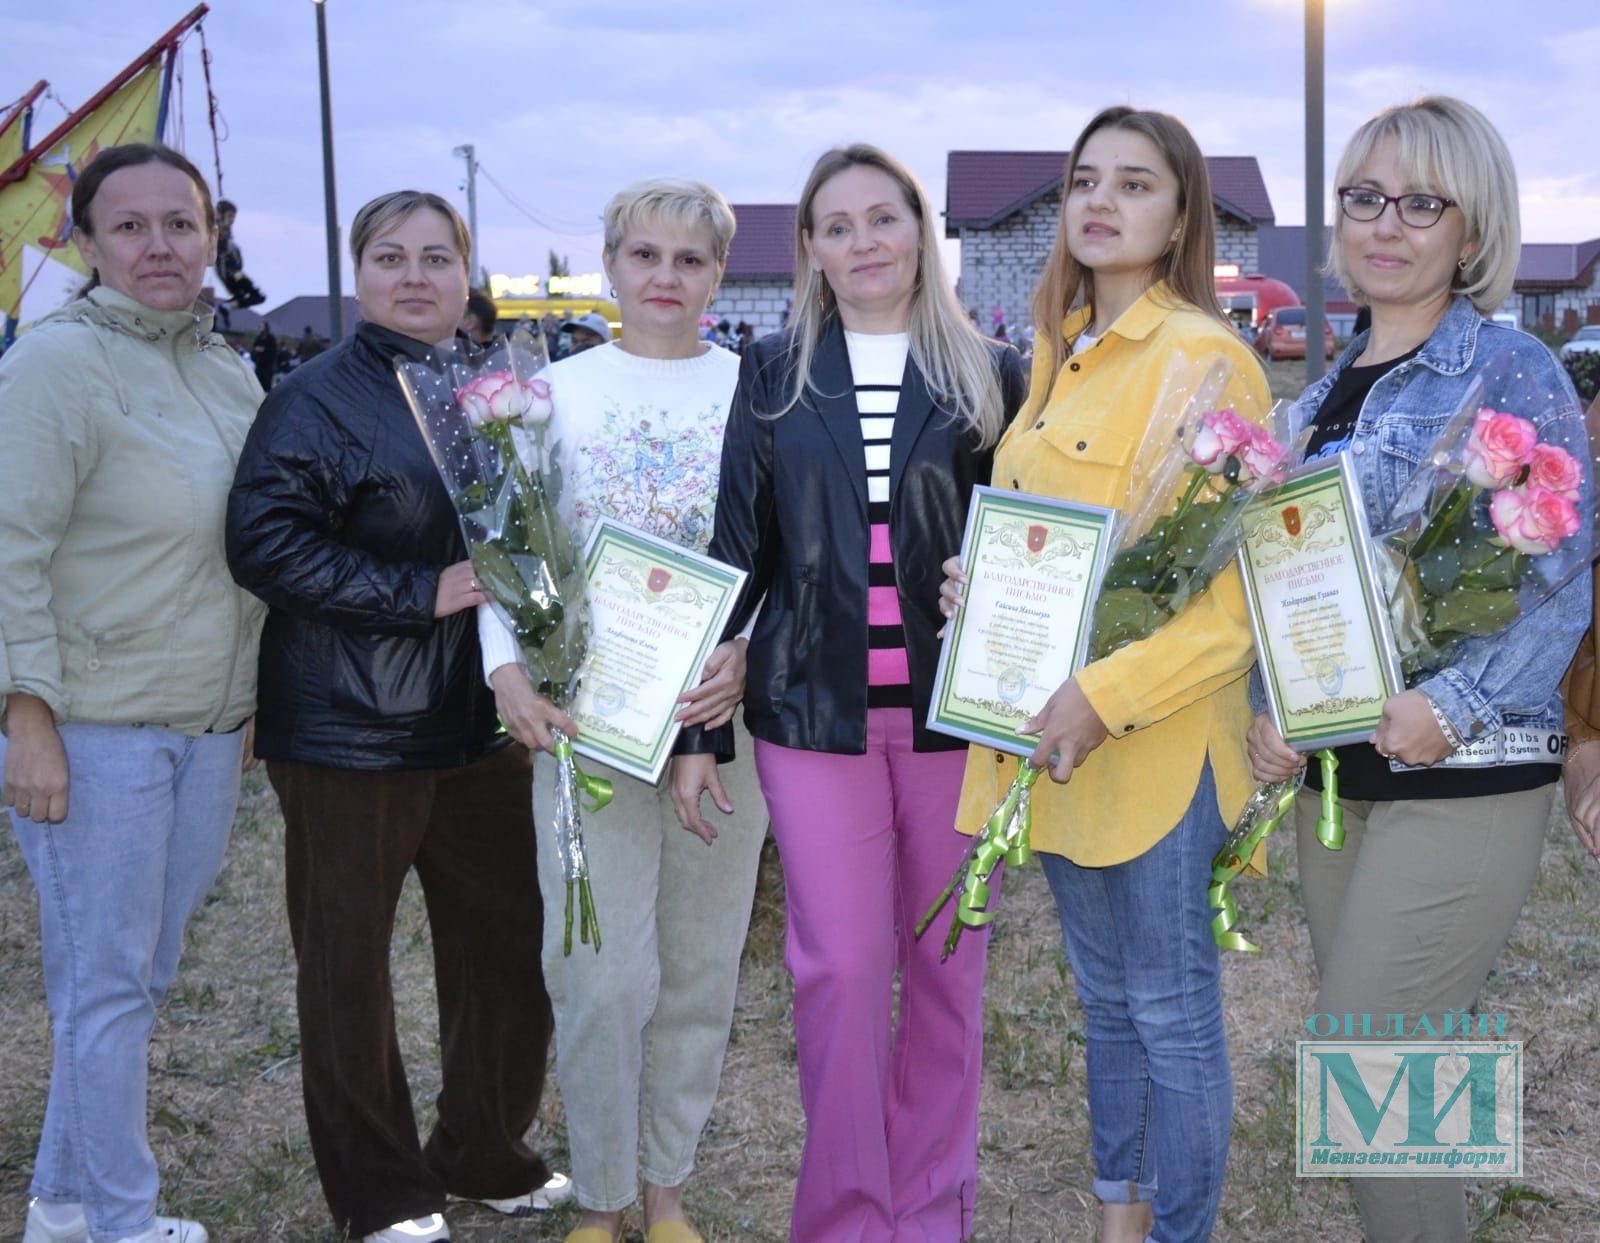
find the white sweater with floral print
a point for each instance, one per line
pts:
(640, 441)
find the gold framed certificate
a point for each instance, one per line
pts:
(657, 611)
(1323, 640)
(1033, 564)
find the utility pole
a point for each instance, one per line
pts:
(470, 154)
(335, 293)
(1315, 195)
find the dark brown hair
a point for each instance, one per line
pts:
(131, 155)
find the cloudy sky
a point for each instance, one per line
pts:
(568, 101)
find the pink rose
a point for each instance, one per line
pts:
(1533, 520)
(1555, 470)
(1264, 457)
(1499, 447)
(540, 405)
(500, 396)
(1221, 434)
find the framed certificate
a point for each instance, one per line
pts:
(658, 609)
(1321, 623)
(1032, 565)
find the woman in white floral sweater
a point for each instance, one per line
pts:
(641, 1029)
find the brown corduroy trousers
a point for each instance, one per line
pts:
(350, 838)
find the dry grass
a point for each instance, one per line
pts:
(228, 1130)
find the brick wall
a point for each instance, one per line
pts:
(759, 303)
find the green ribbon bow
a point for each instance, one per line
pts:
(597, 790)
(1260, 819)
(1005, 835)
(1330, 821)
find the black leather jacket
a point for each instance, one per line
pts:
(339, 521)
(792, 509)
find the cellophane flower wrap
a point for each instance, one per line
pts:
(493, 431)
(1199, 463)
(1498, 516)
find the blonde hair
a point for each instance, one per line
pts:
(946, 349)
(1452, 149)
(674, 202)
(1187, 265)
(387, 211)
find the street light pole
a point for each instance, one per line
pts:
(470, 153)
(1314, 192)
(329, 198)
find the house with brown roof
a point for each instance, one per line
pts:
(758, 283)
(1004, 205)
(1558, 285)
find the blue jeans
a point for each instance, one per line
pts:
(148, 816)
(1149, 976)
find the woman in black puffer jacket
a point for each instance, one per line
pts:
(380, 740)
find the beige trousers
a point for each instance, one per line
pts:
(1409, 917)
(642, 1026)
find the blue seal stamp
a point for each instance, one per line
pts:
(1012, 685)
(609, 699)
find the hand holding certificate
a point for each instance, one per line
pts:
(1033, 568)
(658, 610)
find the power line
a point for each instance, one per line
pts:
(532, 215)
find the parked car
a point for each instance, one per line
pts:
(1585, 341)
(1283, 334)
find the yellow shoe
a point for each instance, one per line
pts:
(671, 1232)
(591, 1234)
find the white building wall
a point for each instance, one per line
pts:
(761, 304)
(1001, 267)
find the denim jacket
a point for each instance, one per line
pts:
(1509, 679)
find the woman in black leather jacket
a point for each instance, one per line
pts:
(850, 454)
(380, 740)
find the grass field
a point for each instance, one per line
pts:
(230, 1136)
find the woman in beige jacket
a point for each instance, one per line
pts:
(127, 662)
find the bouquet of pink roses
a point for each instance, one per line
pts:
(1486, 530)
(487, 418)
(1199, 464)
(1499, 515)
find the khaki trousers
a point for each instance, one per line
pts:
(642, 1026)
(1409, 917)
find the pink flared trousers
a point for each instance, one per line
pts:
(891, 1101)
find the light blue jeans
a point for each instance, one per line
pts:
(1150, 979)
(148, 816)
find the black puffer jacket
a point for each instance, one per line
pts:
(339, 521)
(792, 510)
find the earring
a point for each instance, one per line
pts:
(1461, 263)
(613, 291)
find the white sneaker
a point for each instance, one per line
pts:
(540, 1200)
(169, 1230)
(429, 1229)
(64, 1223)
(54, 1223)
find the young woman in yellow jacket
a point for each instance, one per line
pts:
(1126, 840)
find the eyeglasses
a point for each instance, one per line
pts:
(1420, 211)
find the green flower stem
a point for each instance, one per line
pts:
(1442, 521)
